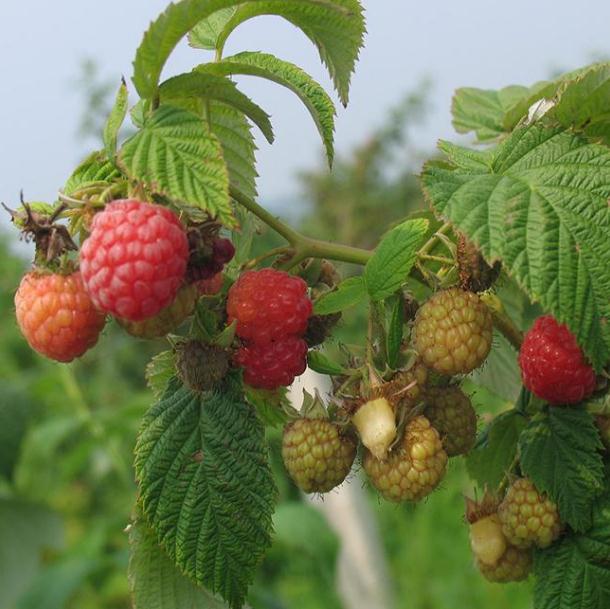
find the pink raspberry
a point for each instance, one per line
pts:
(134, 261)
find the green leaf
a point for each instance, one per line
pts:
(312, 94)
(26, 531)
(348, 293)
(541, 207)
(270, 405)
(483, 111)
(175, 156)
(207, 33)
(233, 130)
(16, 410)
(584, 102)
(159, 371)
(335, 26)
(395, 330)
(495, 449)
(115, 121)
(394, 257)
(197, 85)
(560, 452)
(155, 582)
(500, 373)
(95, 168)
(319, 362)
(574, 573)
(206, 486)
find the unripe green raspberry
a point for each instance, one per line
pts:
(414, 468)
(514, 566)
(316, 454)
(201, 366)
(452, 415)
(168, 319)
(453, 332)
(406, 388)
(528, 517)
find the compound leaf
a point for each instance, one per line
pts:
(560, 452)
(316, 100)
(199, 85)
(540, 204)
(174, 155)
(335, 26)
(206, 486)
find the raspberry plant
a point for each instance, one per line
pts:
(157, 231)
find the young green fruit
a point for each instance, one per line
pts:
(513, 566)
(528, 517)
(453, 332)
(317, 455)
(201, 366)
(415, 466)
(452, 415)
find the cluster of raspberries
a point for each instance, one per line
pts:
(132, 266)
(271, 309)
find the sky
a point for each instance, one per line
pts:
(483, 43)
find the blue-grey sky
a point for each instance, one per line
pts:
(483, 43)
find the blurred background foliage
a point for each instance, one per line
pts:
(67, 433)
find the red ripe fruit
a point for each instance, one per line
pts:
(273, 365)
(57, 316)
(134, 261)
(553, 366)
(269, 305)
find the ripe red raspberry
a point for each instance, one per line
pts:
(453, 332)
(317, 455)
(268, 305)
(211, 286)
(552, 364)
(168, 319)
(528, 517)
(452, 415)
(275, 364)
(514, 566)
(134, 260)
(414, 468)
(56, 315)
